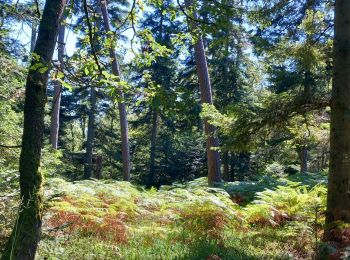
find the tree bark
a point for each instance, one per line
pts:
(153, 148)
(24, 239)
(83, 127)
(55, 115)
(338, 199)
(213, 156)
(232, 166)
(303, 156)
(33, 36)
(226, 166)
(88, 168)
(121, 104)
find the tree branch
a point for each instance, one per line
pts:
(91, 37)
(10, 146)
(193, 18)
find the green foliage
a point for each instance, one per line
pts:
(52, 161)
(8, 203)
(291, 202)
(270, 68)
(11, 100)
(181, 221)
(78, 248)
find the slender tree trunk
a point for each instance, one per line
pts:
(33, 36)
(111, 129)
(72, 136)
(303, 157)
(153, 148)
(213, 156)
(121, 103)
(226, 166)
(24, 239)
(83, 127)
(88, 169)
(323, 163)
(232, 166)
(55, 115)
(338, 199)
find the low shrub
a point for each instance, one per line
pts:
(203, 221)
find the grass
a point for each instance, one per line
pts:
(275, 219)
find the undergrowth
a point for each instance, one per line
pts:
(274, 219)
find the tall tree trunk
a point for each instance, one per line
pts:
(24, 239)
(83, 127)
(55, 115)
(303, 157)
(232, 166)
(213, 156)
(338, 199)
(121, 103)
(72, 136)
(153, 148)
(226, 166)
(88, 168)
(33, 36)
(323, 160)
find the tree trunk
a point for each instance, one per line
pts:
(55, 115)
(213, 156)
(323, 163)
(83, 127)
(232, 166)
(338, 199)
(303, 157)
(33, 36)
(121, 103)
(88, 168)
(24, 239)
(72, 136)
(226, 166)
(153, 148)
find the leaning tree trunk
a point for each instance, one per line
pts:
(90, 135)
(338, 199)
(25, 236)
(55, 115)
(121, 103)
(213, 156)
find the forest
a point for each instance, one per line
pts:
(174, 129)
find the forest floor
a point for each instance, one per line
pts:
(273, 218)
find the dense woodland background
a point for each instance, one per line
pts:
(270, 69)
(162, 94)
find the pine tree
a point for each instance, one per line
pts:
(213, 156)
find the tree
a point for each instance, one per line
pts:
(338, 200)
(88, 169)
(212, 142)
(121, 104)
(168, 146)
(24, 239)
(55, 115)
(230, 68)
